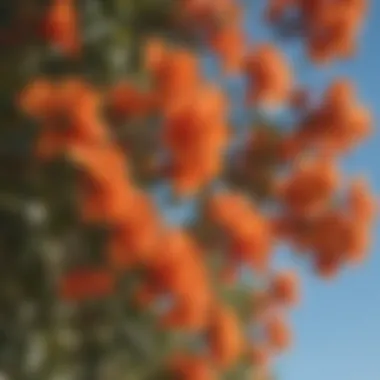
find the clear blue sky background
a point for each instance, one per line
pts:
(337, 326)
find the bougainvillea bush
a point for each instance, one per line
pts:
(139, 221)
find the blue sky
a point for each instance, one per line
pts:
(337, 326)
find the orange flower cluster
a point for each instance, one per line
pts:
(229, 43)
(248, 230)
(226, 341)
(335, 235)
(194, 116)
(309, 186)
(61, 28)
(278, 333)
(227, 345)
(338, 124)
(361, 202)
(67, 111)
(195, 134)
(225, 337)
(172, 261)
(330, 27)
(253, 235)
(284, 288)
(269, 76)
(220, 23)
(106, 195)
(135, 236)
(176, 268)
(282, 293)
(257, 163)
(175, 74)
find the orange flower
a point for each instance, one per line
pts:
(360, 243)
(225, 338)
(335, 236)
(36, 98)
(252, 241)
(249, 233)
(104, 204)
(297, 231)
(78, 103)
(189, 175)
(284, 288)
(224, 207)
(338, 124)
(340, 94)
(127, 101)
(176, 267)
(136, 235)
(196, 135)
(269, 76)
(327, 265)
(341, 24)
(176, 75)
(229, 44)
(105, 191)
(83, 284)
(311, 185)
(102, 163)
(291, 147)
(154, 54)
(361, 202)
(61, 27)
(191, 309)
(74, 89)
(330, 29)
(278, 333)
(200, 120)
(69, 107)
